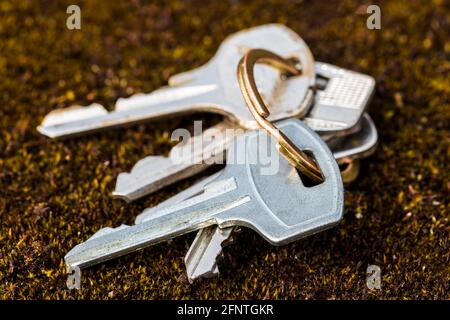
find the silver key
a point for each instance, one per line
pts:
(336, 111)
(279, 207)
(156, 172)
(201, 259)
(212, 87)
(357, 145)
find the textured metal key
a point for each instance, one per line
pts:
(212, 87)
(341, 92)
(338, 109)
(279, 207)
(201, 259)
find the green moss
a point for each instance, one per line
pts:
(56, 194)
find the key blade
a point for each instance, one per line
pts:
(151, 174)
(339, 107)
(74, 113)
(188, 216)
(208, 242)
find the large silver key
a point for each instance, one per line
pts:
(212, 87)
(279, 207)
(201, 259)
(339, 104)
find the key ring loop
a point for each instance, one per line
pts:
(260, 112)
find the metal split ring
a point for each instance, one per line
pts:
(305, 164)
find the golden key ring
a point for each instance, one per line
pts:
(260, 112)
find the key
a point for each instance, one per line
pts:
(205, 250)
(156, 172)
(350, 171)
(201, 259)
(212, 87)
(338, 109)
(278, 207)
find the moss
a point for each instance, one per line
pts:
(55, 194)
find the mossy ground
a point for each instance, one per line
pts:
(55, 194)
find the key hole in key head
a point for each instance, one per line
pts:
(308, 182)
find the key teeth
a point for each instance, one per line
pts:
(211, 273)
(127, 183)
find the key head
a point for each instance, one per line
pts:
(283, 209)
(285, 98)
(338, 108)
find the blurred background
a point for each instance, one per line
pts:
(55, 194)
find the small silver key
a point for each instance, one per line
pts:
(201, 259)
(212, 87)
(279, 207)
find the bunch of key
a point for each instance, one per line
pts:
(320, 110)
